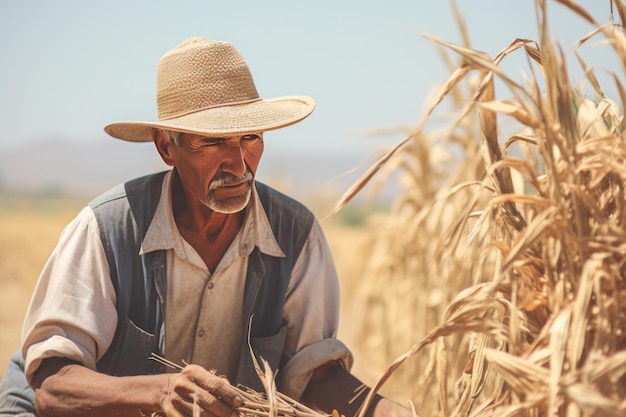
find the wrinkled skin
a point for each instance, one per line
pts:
(212, 180)
(65, 388)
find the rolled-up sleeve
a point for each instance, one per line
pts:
(72, 311)
(312, 315)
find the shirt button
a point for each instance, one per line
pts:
(210, 286)
(201, 332)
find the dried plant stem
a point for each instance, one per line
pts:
(257, 404)
(515, 287)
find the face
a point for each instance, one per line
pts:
(218, 172)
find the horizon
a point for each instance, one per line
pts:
(71, 67)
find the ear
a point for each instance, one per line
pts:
(164, 146)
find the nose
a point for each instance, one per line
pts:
(233, 161)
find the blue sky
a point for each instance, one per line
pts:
(71, 66)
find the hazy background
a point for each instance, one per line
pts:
(69, 67)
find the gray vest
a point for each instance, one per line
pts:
(124, 215)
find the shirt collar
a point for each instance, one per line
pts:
(163, 234)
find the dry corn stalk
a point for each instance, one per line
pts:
(524, 242)
(272, 403)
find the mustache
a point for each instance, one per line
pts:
(227, 179)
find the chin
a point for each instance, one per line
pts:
(229, 206)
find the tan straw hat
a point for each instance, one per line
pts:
(205, 87)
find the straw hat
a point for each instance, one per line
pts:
(205, 87)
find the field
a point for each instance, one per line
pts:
(30, 226)
(496, 283)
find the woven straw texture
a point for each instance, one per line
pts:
(206, 87)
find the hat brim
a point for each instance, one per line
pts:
(253, 117)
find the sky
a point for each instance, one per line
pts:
(69, 67)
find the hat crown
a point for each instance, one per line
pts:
(200, 74)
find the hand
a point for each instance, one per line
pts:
(197, 392)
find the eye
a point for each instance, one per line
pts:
(212, 141)
(250, 138)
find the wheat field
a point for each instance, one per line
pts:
(502, 262)
(496, 284)
(29, 229)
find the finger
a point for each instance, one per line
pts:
(199, 403)
(213, 405)
(217, 386)
(171, 411)
(180, 402)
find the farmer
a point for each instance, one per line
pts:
(200, 264)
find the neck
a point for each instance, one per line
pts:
(208, 232)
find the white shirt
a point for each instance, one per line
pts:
(72, 312)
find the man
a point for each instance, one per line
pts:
(200, 264)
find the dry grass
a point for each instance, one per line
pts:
(504, 256)
(29, 229)
(270, 403)
(496, 287)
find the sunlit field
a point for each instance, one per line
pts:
(495, 283)
(29, 229)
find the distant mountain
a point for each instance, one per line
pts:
(75, 168)
(88, 168)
